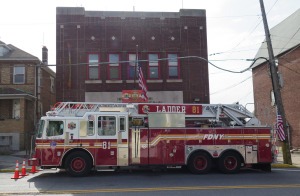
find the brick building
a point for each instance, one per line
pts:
(96, 53)
(26, 93)
(286, 41)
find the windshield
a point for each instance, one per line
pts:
(41, 128)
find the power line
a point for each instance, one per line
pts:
(292, 70)
(163, 59)
(249, 33)
(232, 86)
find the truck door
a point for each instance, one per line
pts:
(106, 140)
(53, 145)
(122, 143)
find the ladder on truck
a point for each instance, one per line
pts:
(218, 112)
(232, 112)
(78, 109)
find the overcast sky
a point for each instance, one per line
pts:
(234, 27)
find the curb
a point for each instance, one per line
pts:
(11, 170)
(274, 165)
(282, 165)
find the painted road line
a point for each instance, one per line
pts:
(189, 188)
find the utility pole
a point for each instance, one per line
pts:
(276, 88)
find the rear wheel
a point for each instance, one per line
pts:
(78, 164)
(229, 163)
(199, 163)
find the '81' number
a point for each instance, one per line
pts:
(196, 110)
(106, 145)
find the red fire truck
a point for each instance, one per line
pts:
(81, 137)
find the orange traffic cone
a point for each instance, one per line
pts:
(23, 173)
(16, 175)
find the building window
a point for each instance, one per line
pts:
(52, 84)
(114, 72)
(132, 66)
(153, 66)
(93, 72)
(19, 75)
(173, 66)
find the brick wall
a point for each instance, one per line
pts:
(5, 74)
(5, 109)
(289, 69)
(47, 97)
(183, 35)
(7, 78)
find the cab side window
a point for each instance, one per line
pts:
(107, 125)
(55, 128)
(90, 127)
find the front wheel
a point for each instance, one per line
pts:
(199, 163)
(78, 164)
(229, 163)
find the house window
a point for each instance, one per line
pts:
(131, 66)
(114, 72)
(3, 51)
(153, 66)
(93, 72)
(19, 75)
(173, 66)
(16, 109)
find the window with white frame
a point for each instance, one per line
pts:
(16, 109)
(19, 74)
(114, 72)
(173, 70)
(153, 66)
(132, 66)
(93, 72)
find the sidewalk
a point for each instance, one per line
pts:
(295, 158)
(8, 162)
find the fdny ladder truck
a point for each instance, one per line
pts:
(85, 136)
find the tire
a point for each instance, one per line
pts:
(229, 163)
(78, 164)
(199, 163)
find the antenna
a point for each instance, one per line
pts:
(133, 8)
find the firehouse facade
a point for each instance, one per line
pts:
(97, 53)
